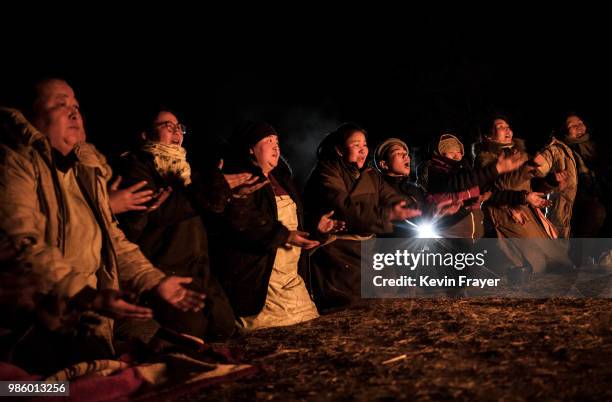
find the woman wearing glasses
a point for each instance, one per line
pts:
(173, 235)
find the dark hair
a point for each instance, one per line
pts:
(149, 116)
(488, 127)
(563, 123)
(28, 99)
(327, 148)
(236, 153)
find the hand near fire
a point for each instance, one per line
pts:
(329, 225)
(400, 212)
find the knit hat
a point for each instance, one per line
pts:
(251, 133)
(450, 143)
(380, 154)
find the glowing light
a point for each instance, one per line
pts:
(426, 231)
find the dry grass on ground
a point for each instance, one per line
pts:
(435, 349)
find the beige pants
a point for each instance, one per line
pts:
(287, 300)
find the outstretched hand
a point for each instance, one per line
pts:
(538, 200)
(249, 187)
(119, 305)
(159, 198)
(448, 207)
(329, 225)
(508, 163)
(171, 289)
(300, 239)
(400, 212)
(129, 198)
(237, 179)
(242, 184)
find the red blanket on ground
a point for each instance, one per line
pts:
(116, 381)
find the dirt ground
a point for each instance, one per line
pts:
(434, 349)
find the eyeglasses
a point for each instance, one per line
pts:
(172, 127)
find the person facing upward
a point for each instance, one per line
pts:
(260, 253)
(57, 112)
(514, 208)
(55, 205)
(175, 235)
(358, 195)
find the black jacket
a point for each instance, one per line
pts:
(415, 197)
(249, 235)
(360, 198)
(173, 237)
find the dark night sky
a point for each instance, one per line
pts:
(407, 83)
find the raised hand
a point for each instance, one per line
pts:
(448, 207)
(538, 200)
(508, 163)
(128, 199)
(329, 225)
(159, 197)
(236, 179)
(399, 212)
(249, 187)
(171, 289)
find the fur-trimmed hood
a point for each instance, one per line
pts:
(495, 147)
(17, 133)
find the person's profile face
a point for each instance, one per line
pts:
(399, 161)
(501, 132)
(167, 129)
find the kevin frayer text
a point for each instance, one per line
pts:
(427, 281)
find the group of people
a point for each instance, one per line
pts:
(93, 256)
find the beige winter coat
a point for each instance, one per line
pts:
(557, 156)
(33, 214)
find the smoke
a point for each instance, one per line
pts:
(301, 131)
(300, 128)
